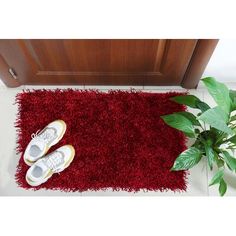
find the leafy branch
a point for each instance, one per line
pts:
(214, 131)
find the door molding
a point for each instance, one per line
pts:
(199, 60)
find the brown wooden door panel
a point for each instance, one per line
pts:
(98, 62)
(94, 56)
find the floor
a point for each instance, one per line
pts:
(198, 179)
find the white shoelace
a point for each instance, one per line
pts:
(47, 136)
(54, 160)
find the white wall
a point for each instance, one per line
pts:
(222, 64)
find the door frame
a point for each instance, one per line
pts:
(198, 62)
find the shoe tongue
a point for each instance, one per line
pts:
(48, 134)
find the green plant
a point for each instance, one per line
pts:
(213, 130)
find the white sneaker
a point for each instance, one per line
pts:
(43, 140)
(54, 162)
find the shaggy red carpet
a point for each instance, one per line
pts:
(120, 140)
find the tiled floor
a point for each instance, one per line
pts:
(197, 180)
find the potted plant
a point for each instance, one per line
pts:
(213, 131)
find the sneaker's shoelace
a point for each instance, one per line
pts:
(54, 160)
(46, 136)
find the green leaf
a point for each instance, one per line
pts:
(232, 94)
(219, 162)
(230, 161)
(217, 177)
(180, 122)
(216, 118)
(203, 106)
(216, 134)
(189, 100)
(199, 146)
(210, 154)
(187, 159)
(232, 139)
(222, 188)
(219, 92)
(190, 117)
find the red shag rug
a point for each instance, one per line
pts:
(120, 140)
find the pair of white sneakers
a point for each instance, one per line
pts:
(43, 166)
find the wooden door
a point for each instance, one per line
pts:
(102, 62)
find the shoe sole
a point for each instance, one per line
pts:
(34, 184)
(29, 163)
